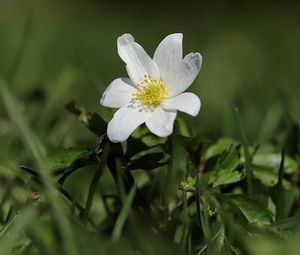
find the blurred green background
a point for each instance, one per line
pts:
(52, 51)
(60, 50)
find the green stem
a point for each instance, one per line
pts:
(279, 189)
(202, 215)
(117, 231)
(25, 36)
(247, 154)
(185, 231)
(95, 181)
(168, 179)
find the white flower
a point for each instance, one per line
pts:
(154, 92)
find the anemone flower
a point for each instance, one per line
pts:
(154, 91)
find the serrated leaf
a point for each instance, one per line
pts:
(251, 209)
(64, 158)
(227, 177)
(219, 147)
(225, 171)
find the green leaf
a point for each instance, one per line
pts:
(235, 251)
(218, 244)
(34, 145)
(224, 177)
(10, 236)
(287, 223)
(225, 171)
(219, 147)
(116, 234)
(268, 178)
(140, 132)
(251, 209)
(272, 161)
(182, 127)
(65, 158)
(152, 140)
(149, 159)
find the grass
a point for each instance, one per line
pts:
(225, 182)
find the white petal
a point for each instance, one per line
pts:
(124, 122)
(137, 60)
(118, 93)
(161, 122)
(168, 55)
(185, 102)
(185, 74)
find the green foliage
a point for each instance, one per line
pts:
(209, 198)
(251, 209)
(66, 158)
(149, 159)
(183, 189)
(226, 169)
(219, 147)
(66, 189)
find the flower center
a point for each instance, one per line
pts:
(151, 92)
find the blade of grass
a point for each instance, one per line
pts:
(24, 40)
(116, 234)
(287, 223)
(202, 250)
(169, 179)
(197, 194)
(247, 154)
(185, 231)
(94, 80)
(56, 94)
(120, 185)
(14, 229)
(202, 215)
(124, 183)
(95, 181)
(279, 189)
(61, 189)
(287, 114)
(205, 219)
(18, 119)
(35, 147)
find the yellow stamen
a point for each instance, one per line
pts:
(151, 92)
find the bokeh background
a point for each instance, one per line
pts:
(53, 51)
